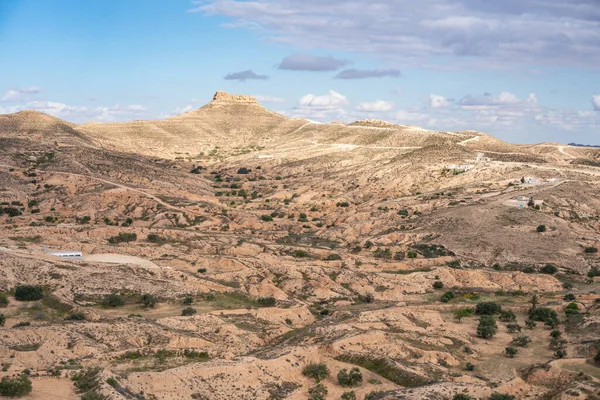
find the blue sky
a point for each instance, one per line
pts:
(525, 71)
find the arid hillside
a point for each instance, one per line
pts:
(233, 253)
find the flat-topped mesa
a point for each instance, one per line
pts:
(224, 97)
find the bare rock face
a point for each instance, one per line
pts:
(224, 97)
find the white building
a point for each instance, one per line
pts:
(67, 255)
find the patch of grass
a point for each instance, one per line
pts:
(385, 368)
(27, 239)
(407, 271)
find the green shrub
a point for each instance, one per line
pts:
(10, 211)
(333, 257)
(487, 308)
(549, 269)
(569, 297)
(188, 311)
(541, 228)
(571, 309)
(318, 392)
(3, 299)
(590, 250)
(543, 314)
(122, 238)
(113, 300)
(438, 285)
(521, 341)
(267, 218)
(507, 316)
(154, 238)
(267, 301)
(411, 254)
(349, 395)
(487, 327)
(383, 253)
(300, 254)
(462, 396)
(462, 313)
(374, 395)
(501, 396)
(202, 270)
(593, 272)
(512, 328)
(29, 293)
(446, 297)
(87, 380)
(511, 351)
(77, 316)
(15, 387)
(2, 319)
(530, 324)
(148, 300)
(187, 300)
(352, 378)
(317, 371)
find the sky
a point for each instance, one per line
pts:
(526, 71)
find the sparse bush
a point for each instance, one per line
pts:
(267, 301)
(549, 269)
(368, 244)
(202, 270)
(2, 319)
(521, 341)
(462, 396)
(470, 366)
(373, 395)
(154, 238)
(512, 328)
(561, 353)
(187, 300)
(590, 250)
(333, 257)
(10, 211)
(597, 357)
(300, 254)
(267, 218)
(318, 392)
(511, 351)
(487, 308)
(29, 293)
(411, 254)
(3, 299)
(368, 298)
(383, 253)
(352, 378)
(543, 314)
(77, 316)
(501, 396)
(113, 300)
(462, 313)
(507, 316)
(122, 238)
(541, 228)
(317, 371)
(569, 297)
(438, 285)
(572, 309)
(349, 395)
(127, 222)
(446, 297)
(487, 327)
(530, 324)
(593, 272)
(148, 300)
(15, 387)
(112, 382)
(399, 256)
(188, 311)
(243, 171)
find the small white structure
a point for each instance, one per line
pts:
(67, 255)
(460, 167)
(530, 180)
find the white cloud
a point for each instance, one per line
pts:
(332, 99)
(596, 102)
(81, 113)
(16, 95)
(375, 106)
(436, 101)
(268, 99)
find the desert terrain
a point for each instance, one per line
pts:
(234, 253)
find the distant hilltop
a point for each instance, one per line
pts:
(224, 97)
(584, 145)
